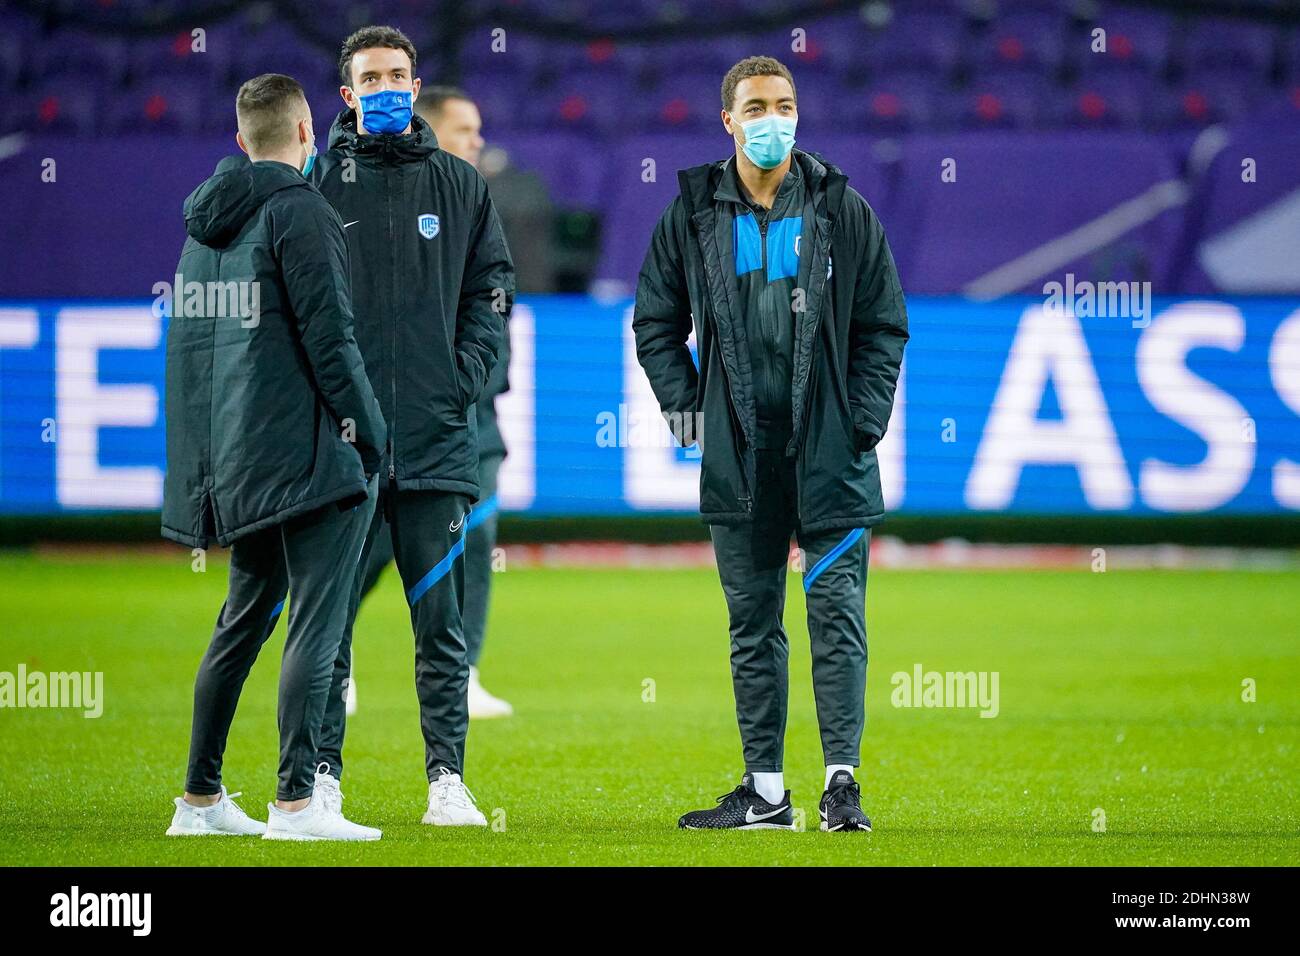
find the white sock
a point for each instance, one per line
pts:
(831, 769)
(770, 786)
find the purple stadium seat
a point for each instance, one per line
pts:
(165, 103)
(63, 105)
(714, 54)
(530, 57)
(571, 105)
(687, 100)
(830, 45)
(897, 102)
(13, 58)
(1013, 99)
(915, 41)
(1135, 38)
(1291, 55)
(1212, 43)
(176, 54)
(1024, 40)
(1278, 108)
(278, 49)
(1205, 98)
(603, 58)
(101, 59)
(412, 17)
(1104, 99)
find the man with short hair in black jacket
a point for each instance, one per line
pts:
(272, 433)
(784, 274)
(432, 285)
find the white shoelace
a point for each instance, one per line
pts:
(330, 793)
(453, 792)
(232, 807)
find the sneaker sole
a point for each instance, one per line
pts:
(180, 832)
(435, 823)
(311, 838)
(845, 827)
(747, 826)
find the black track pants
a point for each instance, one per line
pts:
(428, 537)
(752, 561)
(314, 558)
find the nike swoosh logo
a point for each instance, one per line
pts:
(456, 525)
(752, 817)
(352, 223)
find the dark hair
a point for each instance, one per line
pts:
(751, 66)
(268, 108)
(368, 38)
(432, 99)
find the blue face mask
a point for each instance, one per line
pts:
(768, 140)
(311, 161)
(388, 111)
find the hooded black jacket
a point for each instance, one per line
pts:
(260, 413)
(848, 346)
(430, 310)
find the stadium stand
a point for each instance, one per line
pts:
(1056, 131)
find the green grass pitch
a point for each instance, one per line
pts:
(1119, 692)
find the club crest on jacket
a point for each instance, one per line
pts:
(429, 225)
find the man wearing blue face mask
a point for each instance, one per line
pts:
(783, 273)
(432, 286)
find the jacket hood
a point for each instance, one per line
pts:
(219, 207)
(698, 183)
(401, 147)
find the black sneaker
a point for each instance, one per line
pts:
(841, 806)
(742, 809)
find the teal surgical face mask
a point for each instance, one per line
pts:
(768, 140)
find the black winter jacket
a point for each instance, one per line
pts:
(269, 413)
(432, 288)
(848, 347)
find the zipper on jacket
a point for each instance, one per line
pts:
(392, 371)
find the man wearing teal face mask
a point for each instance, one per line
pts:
(784, 275)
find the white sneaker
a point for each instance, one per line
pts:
(316, 821)
(483, 705)
(350, 697)
(451, 804)
(223, 818)
(328, 789)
